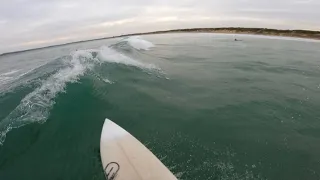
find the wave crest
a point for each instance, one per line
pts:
(36, 106)
(107, 54)
(138, 43)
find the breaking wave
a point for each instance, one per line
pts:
(107, 54)
(36, 106)
(138, 43)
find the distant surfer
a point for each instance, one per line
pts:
(237, 40)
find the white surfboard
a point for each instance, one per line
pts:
(125, 158)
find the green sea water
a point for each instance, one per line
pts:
(208, 107)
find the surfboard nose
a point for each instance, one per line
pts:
(111, 130)
(118, 148)
(107, 121)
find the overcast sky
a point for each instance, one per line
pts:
(35, 23)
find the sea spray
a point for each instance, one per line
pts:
(138, 43)
(36, 106)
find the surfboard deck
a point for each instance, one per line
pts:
(125, 158)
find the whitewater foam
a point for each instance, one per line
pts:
(4, 77)
(10, 72)
(138, 43)
(35, 106)
(107, 54)
(107, 81)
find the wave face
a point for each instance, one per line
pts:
(36, 106)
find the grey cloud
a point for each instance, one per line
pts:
(34, 23)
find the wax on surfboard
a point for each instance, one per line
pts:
(125, 158)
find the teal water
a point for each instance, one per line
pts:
(207, 106)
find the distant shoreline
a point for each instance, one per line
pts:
(307, 34)
(253, 31)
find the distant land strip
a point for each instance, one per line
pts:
(227, 30)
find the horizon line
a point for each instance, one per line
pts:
(152, 32)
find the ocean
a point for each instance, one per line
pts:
(207, 106)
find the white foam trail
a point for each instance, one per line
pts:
(107, 81)
(138, 43)
(4, 79)
(10, 72)
(35, 106)
(107, 54)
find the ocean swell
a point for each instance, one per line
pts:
(36, 106)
